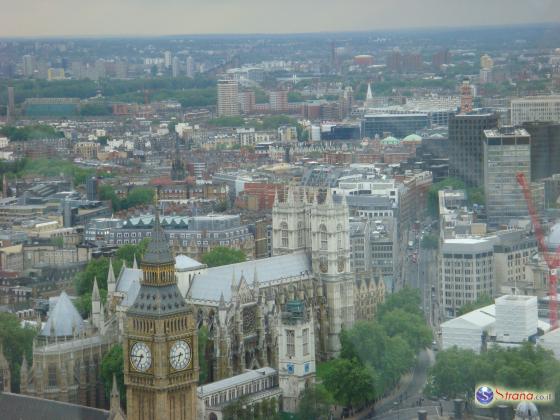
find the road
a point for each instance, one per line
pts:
(408, 396)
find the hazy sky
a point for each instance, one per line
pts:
(153, 17)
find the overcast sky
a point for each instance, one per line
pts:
(155, 17)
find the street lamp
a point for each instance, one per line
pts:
(396, 404)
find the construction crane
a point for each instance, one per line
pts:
(552, 260)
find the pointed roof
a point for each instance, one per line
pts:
(95, 294)
(115, 389)
(158, 251)
(369, 95)
(62, 317)
(111, 274)
(135, 263)
(24, 368)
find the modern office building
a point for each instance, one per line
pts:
(228, 98)
(466, 137)
(278, 100)
(535, 108)
(399, 125)
(11, 109)
(507, 152)
(28, 65)
(466, 272)
(545, 148)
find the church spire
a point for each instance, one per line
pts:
(135, 263)
(115, 395)
(369, 96)
(158, 251)
(95, 296)
(111, 282)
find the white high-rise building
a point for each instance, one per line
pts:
(190, 67)
(516, 318)
(466, 272)
(28, 65)
(228, 98)
(535, 108)
(167, 59)
(175, 67)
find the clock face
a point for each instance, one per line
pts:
(140, 357)
(180, 355)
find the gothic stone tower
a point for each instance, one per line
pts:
(160, 342)
(330, 251)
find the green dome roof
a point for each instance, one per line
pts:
(390, 140)
(413, 138)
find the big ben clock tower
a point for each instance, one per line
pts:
(160, 343)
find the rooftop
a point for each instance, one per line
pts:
(236, 380)
(64, 319)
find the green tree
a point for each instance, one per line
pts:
(227, 122)
(17, 342)
(482, 301)
(128, 252)
(410, 326)
(454, 373)
(407, 299)
(237, 410)
(113, 364)
(430, 242)
(223, 256)
(202, 359)
(350, 383)
(57, 241)
(138, 196)
(315, 403)
(107, 193)
(476, 196)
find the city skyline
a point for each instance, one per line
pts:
(172, 17)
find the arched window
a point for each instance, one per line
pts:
(300, 234)
(339, 236)
(284, 234)
(323, 236)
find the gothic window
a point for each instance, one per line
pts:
(300, 234)
(305, 339)
(52, 375)
(323, 236)
(284, 234)
(339, 236)
(290, 343)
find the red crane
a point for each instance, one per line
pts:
(552, 260)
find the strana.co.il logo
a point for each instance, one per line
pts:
(484, 395)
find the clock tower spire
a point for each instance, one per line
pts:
(160, 342)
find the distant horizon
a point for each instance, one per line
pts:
(310, 33)
(143, 18)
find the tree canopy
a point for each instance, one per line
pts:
(377, 353)
(136, 197)
(30, 132)
(315, 403)
(457, 371)
(222, 255)
(113, 364)
(17, 342)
